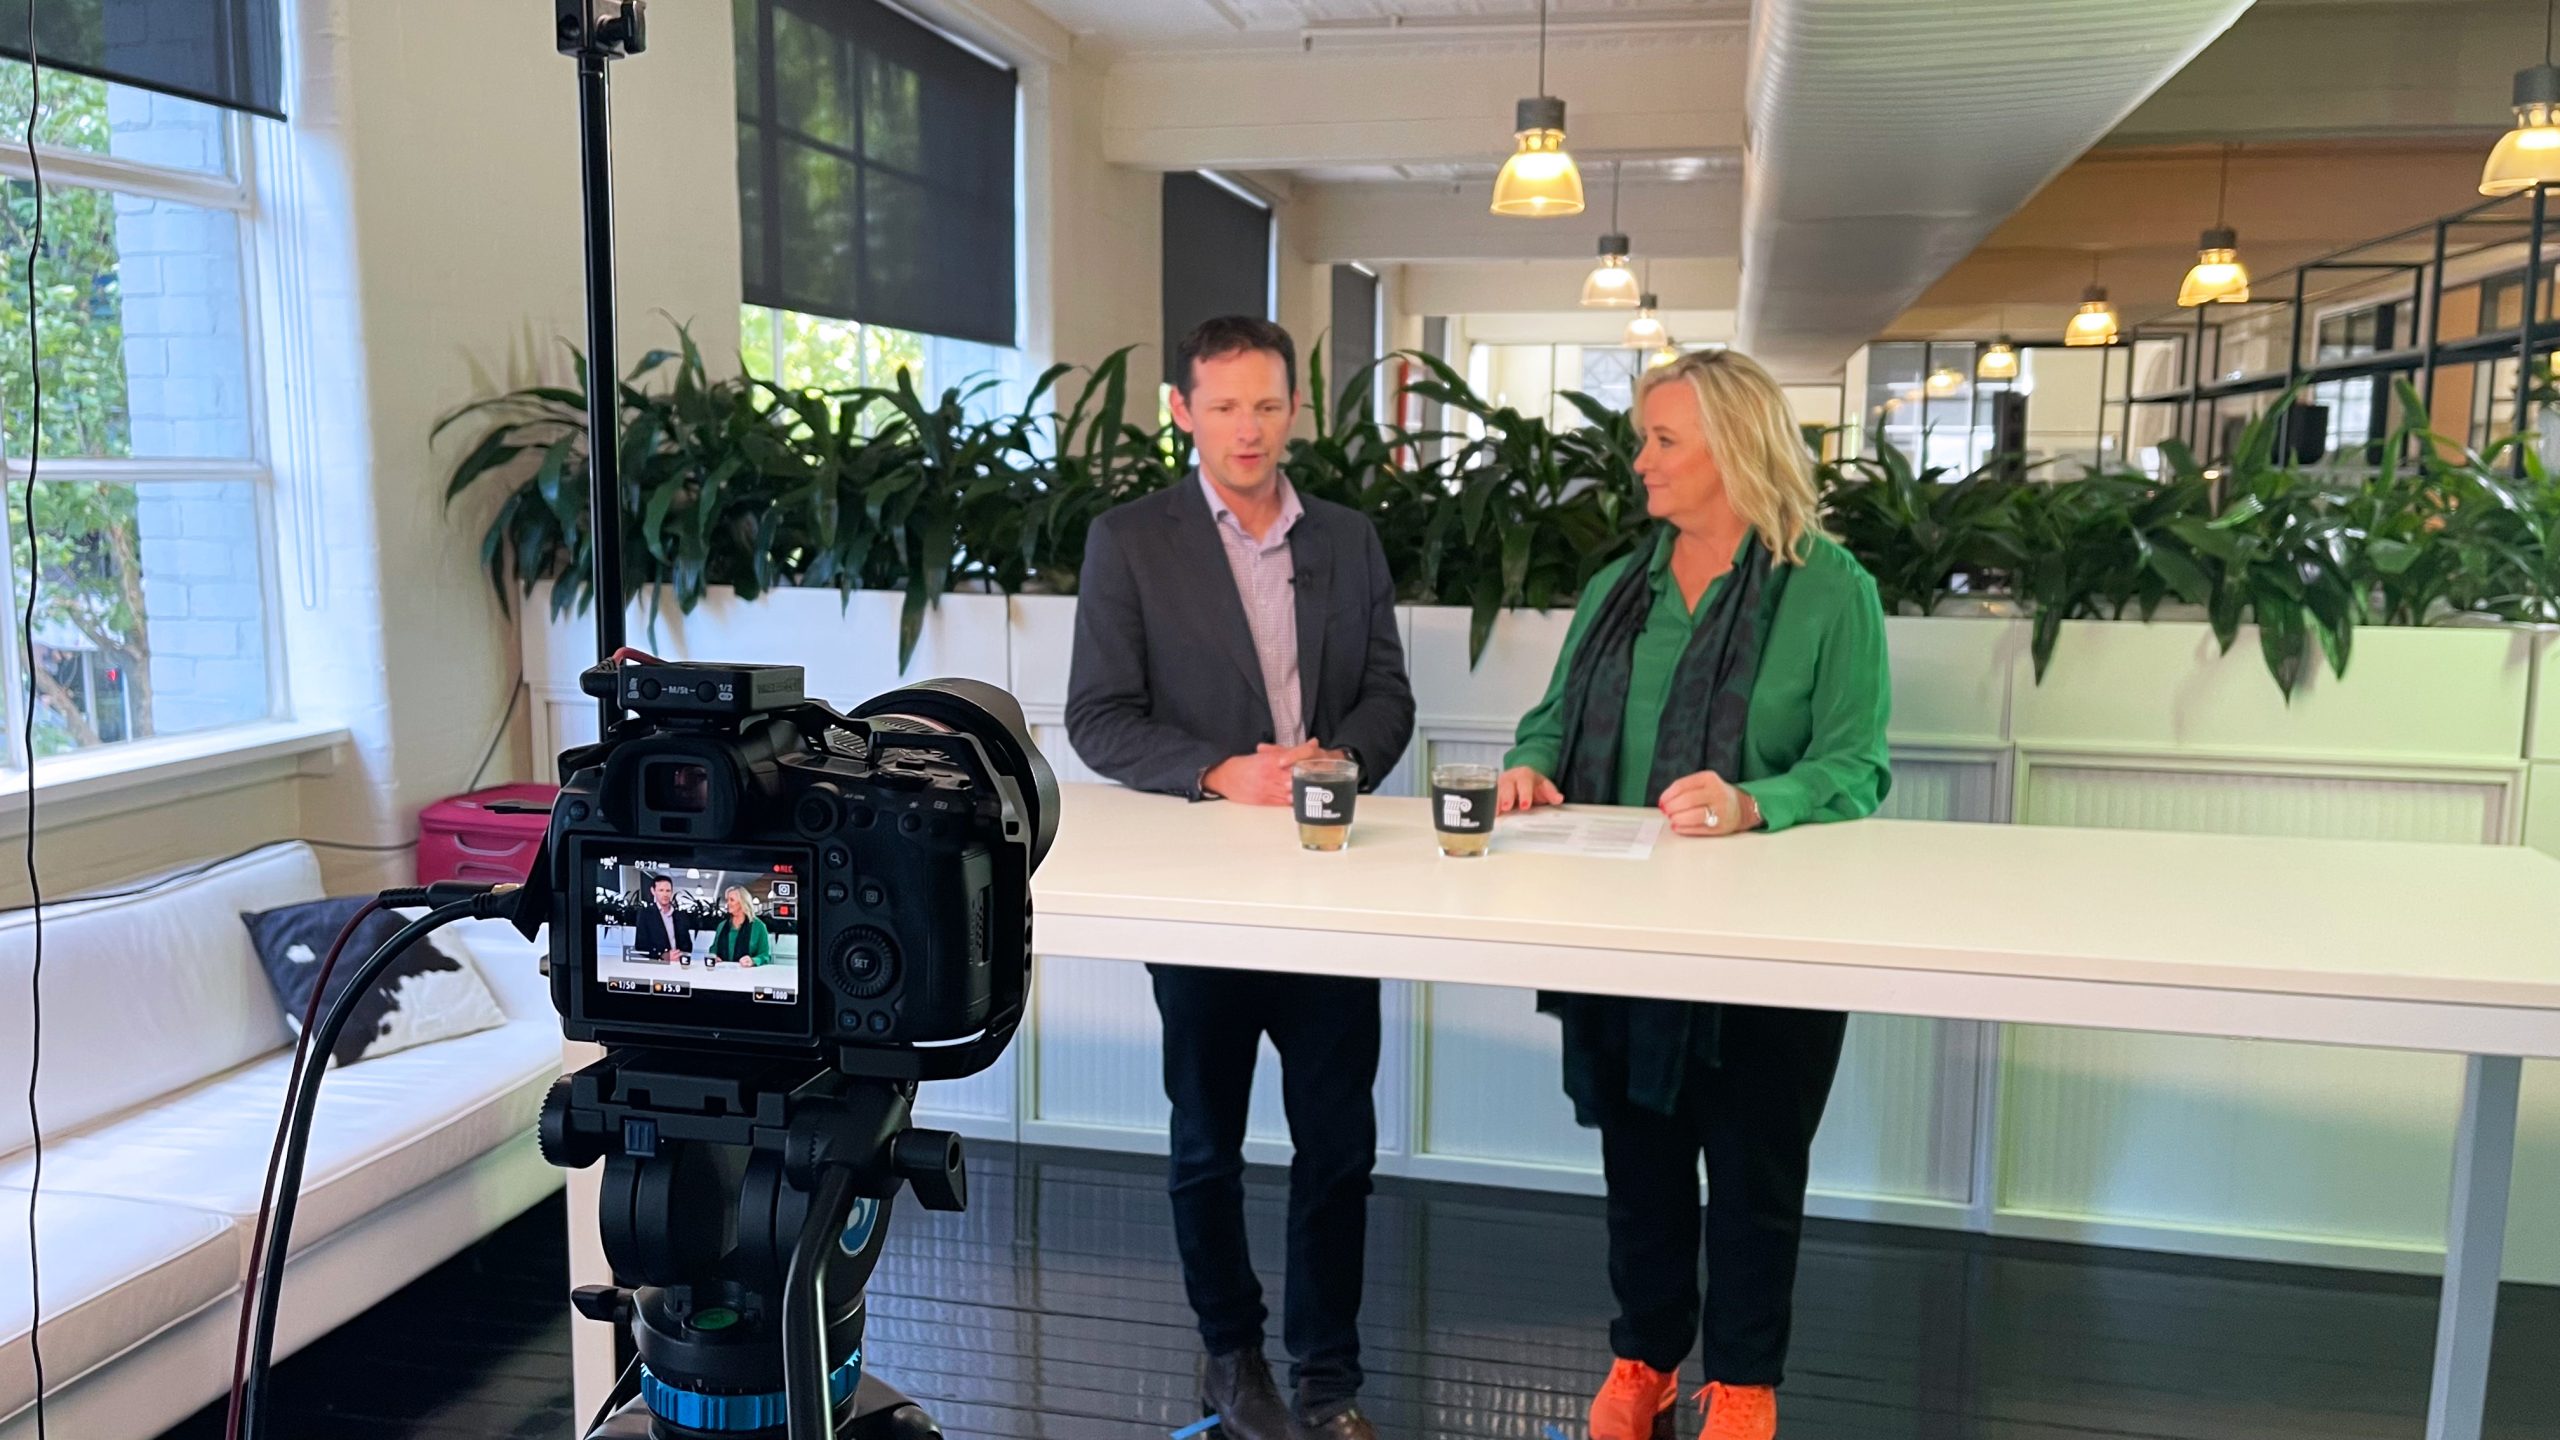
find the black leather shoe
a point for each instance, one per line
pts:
(1343, 1422)
(1239, 1390)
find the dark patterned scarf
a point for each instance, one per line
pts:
(1623, 1050)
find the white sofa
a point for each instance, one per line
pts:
(164, 1069)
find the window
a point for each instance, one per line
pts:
(1921, 398)
(812, 352)
(1355, 333)
(1532, 379)
(150, 553)
(1217, 257)
(875, 170)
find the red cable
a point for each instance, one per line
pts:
(275, 1163)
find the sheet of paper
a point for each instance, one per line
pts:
(1591, 834)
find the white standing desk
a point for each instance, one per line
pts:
(2418, 947)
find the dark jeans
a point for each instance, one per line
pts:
(1326, 1030)
(1754, 1117)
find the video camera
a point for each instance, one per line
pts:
(777, 918)
(853, 888)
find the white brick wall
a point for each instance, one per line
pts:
(204, 592)
(180, 280)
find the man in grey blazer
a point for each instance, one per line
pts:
(1227, 628)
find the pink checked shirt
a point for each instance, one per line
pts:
(1263, 570)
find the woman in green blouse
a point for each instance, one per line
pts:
(1731, 672)
(741, 938)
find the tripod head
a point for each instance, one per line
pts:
(747, 1199)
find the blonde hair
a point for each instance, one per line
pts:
(1768, 470)
(746, 901)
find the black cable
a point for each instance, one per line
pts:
(514, 693)
(625, 1386)
(300, 1105)
(27, 733)
(1542, 47)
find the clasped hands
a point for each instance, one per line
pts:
(1701, 804)
(1262, 778)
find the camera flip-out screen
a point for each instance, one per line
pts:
(696, 936)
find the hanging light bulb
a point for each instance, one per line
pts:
(2096, 322)
(1540, 180)
(1945, 380)
(1998, 361)
(1646, 331)
(2528, 156)
(1669, 354)
(1611, 285)
(2218, 277)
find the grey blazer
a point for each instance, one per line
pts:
(1164, 681)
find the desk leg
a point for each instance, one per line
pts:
(2484, 1163)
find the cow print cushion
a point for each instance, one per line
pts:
(426, 995)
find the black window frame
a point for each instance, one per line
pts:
(962, 298)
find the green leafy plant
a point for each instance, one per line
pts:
(715, 488)
(1922, 537)
(740, 482)
(1524, 515)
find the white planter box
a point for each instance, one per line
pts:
(2438, 695)
(2446, 695)
(1951, 678)
(847, 643)
(2542, 742)
(1042, 637)
(1489, 697)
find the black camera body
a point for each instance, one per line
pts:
(738, 868)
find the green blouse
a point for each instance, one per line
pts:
(1814, 737)
(754, 948)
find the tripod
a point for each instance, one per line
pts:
(747, 1200)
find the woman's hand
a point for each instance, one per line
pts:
(1523, 788)
(1708, 804)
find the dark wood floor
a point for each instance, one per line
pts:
(1053, 1311)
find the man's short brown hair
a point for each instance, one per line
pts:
(1232, 335)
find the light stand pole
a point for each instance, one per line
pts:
(595, 33)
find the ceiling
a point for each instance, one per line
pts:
(1163, 24)
(1888, 140)
(1479, 174)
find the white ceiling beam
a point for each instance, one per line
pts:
(1285, 110)
(1396, 223)
(1690, 289)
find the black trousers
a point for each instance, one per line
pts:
(1753, 1116)
(1326, 1030)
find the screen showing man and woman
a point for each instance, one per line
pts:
(668, 928)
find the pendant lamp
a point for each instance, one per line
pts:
(1611, 285)
(2528, 156)
(2218, 277)
(1540, 180)
(2095, 324)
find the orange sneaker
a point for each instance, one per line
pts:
(1635, 1403)
(1739, 1412)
